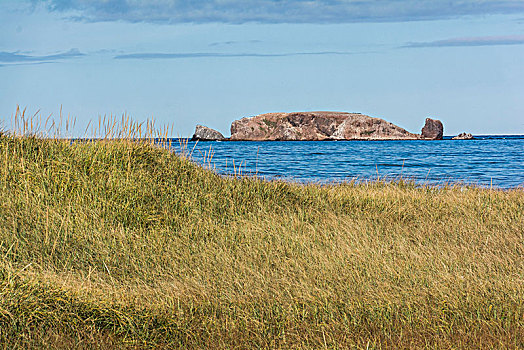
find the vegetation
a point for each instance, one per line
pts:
(269, 123)
(120, 243)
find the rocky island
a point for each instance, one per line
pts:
(318, 126)
(203, 133)
(463, 136)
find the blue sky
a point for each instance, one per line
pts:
(213, 61)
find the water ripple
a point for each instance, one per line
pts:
(496, 160)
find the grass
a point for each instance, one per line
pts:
(123, 244)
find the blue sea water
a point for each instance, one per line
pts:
(496, 161)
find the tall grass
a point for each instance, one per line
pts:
(120, 243)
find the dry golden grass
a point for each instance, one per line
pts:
(120, 243)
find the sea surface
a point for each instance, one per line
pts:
(496, 161)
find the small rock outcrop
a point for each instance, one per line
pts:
(316, 126)
(203, 133)
(432, 130)
(463, 136)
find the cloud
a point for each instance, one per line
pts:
(15, 57)
(277, 11)
(157, 55)
(234, 42)
(471, 41)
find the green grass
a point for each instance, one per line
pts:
(114, 244)
(270, 124)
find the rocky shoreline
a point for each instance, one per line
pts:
(319, 126)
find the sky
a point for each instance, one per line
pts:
(210, 62)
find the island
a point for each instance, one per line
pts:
(318, 126)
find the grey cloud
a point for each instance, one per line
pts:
(26, 64)
(155, 55)
(278, 11)
(15, 57)
(471, 41)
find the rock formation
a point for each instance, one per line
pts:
(463, 136)
(203, 133)
(316, 126)
(432, 130)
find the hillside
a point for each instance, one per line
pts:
(122, 244)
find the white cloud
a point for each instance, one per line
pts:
(17, 57)
(471, 41)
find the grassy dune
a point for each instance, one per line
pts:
(122, 244)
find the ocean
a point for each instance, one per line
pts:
(496, 161)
